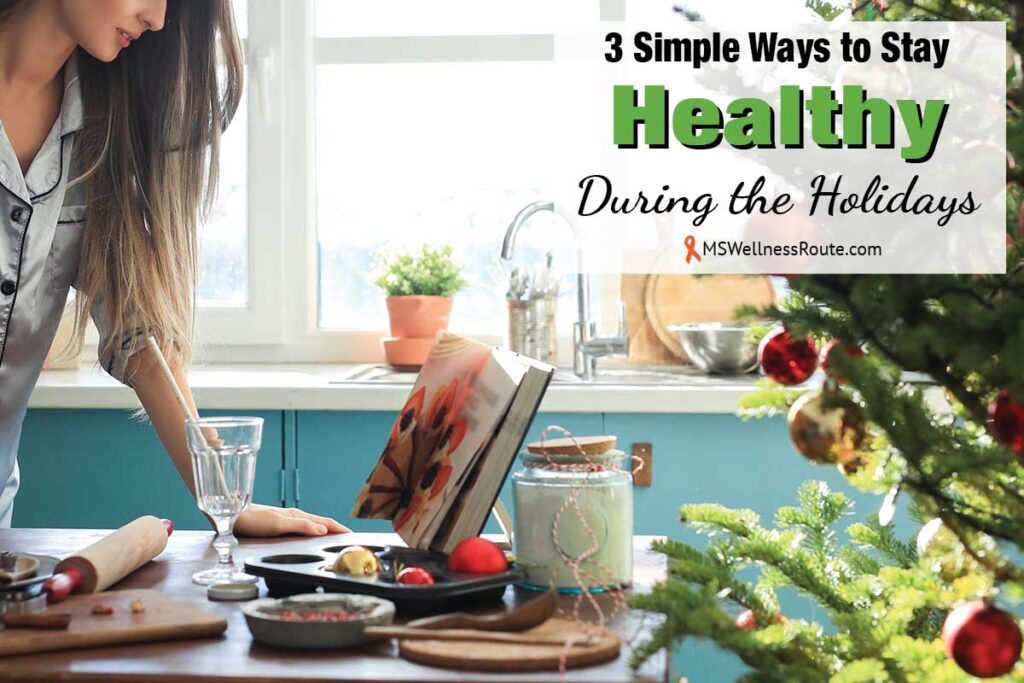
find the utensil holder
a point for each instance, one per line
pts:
(531, 328)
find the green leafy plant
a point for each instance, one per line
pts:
(427, 272)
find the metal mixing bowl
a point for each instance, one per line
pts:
(718, 348)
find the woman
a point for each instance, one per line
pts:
(111, 115)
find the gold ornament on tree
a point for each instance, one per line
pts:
(827, 426)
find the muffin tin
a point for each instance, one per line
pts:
(294, 573)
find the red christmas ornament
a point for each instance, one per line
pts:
(827, 354)
(747, 620)
(787, 360)
(1008, 421)
(477, 556)
(983, 640)
(415, 576)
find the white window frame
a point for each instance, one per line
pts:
(280, 322)
(259, 322)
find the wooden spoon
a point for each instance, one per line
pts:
(526, 616)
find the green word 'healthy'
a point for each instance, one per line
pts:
(748, 122)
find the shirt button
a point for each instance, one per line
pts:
(8, 287)
(18, 214)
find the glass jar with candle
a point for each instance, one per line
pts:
(574, 521)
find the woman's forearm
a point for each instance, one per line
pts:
(165, 413)
(161, 405)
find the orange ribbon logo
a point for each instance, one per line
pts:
(691, 250)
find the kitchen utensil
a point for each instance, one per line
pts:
(289, 574)
(25, 595)
(597, 645)
(22, 603)
(16, 566)
(644, 346)
(268, 626)
(164, 618)
(31, 583)
(543, 277)
(529, 614)
(718, 348)
(519, 284)
(519, 325)
(678, 299)
(224, 473)
(109, 559)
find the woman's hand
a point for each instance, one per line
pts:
(267, 520)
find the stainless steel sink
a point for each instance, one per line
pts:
(626, 376)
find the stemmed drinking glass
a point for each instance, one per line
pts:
(224, 465)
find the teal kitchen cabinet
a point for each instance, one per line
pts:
(336, 451)
(103, 468)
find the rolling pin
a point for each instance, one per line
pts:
(109, 559)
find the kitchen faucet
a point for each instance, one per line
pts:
(587, 346)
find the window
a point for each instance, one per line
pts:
(402, 91)
(223, 241)
(343, 150)
(239, 245)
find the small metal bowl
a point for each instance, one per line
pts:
(270, 627)
(718, 348)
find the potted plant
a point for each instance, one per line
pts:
(420, 286)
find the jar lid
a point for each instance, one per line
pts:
(577, 445)
(234, 592)
(606, 459)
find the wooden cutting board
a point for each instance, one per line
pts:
(645, 348)
(165, 618)
(514, 658)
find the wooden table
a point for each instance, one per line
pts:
(235, 657)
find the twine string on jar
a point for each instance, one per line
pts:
(583, 579)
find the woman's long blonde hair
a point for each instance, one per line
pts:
(149, 149)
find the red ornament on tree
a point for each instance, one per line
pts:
(828, 353)
(1008, 421)
(787, 360)
(983, 640)
(747, 620)
(477, 556)
(415, 576)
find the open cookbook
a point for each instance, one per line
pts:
(453, 443)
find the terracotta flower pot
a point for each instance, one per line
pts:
(418, 316)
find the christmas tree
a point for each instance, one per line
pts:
(923, 402)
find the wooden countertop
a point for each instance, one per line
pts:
(235, 657)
